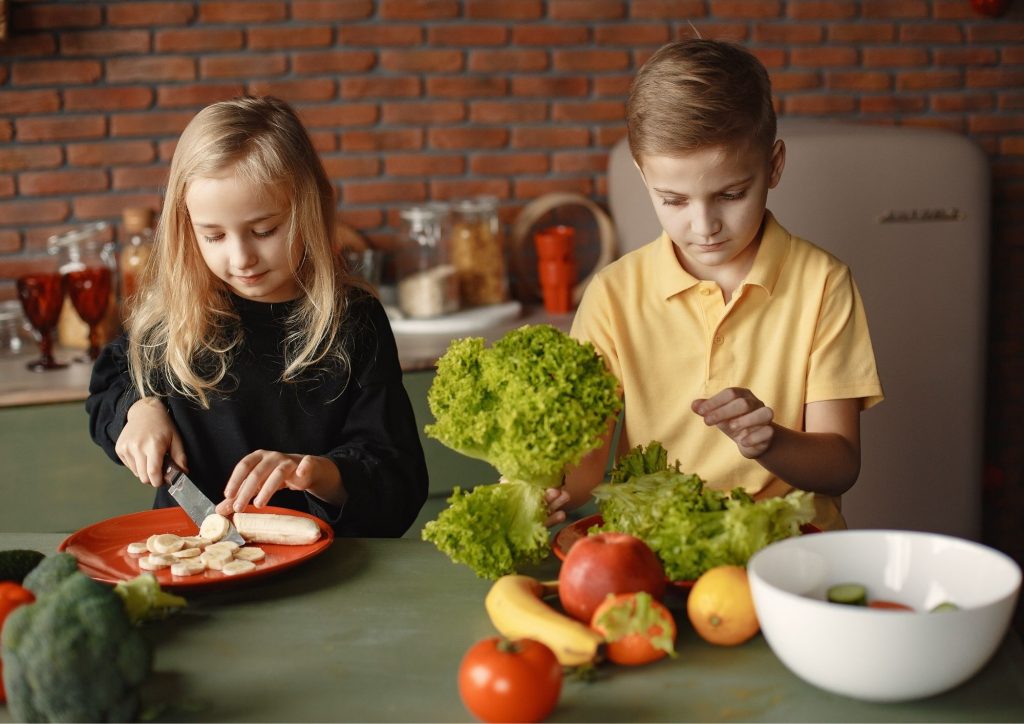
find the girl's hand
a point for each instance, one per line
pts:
(147, 437)
(741, 416)
(556, 499)
(262, 473)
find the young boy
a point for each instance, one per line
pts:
(741, 348)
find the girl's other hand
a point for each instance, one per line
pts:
(738, 413)
(262, 473)
(148, 437)
(556, 499)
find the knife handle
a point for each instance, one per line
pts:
(171, 471)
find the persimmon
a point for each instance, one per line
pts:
(721, 607)
(636, 627)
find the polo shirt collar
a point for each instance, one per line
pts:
(671, 278)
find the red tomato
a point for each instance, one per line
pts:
(510, 681)
(889, 605)
(12, 595)
(636, 627)
(992, 8)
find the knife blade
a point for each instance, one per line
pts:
(191, 499)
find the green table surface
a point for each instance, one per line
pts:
(373, 630)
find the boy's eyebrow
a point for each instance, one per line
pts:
(740, 182)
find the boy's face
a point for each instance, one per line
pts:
(711, 202)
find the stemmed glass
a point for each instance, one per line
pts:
(89, 290)
(42, 295)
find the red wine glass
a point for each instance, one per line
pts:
(89, 289)
(42, 296)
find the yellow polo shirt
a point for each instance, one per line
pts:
(794, 332)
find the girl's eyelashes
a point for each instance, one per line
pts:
(212, 239)
(263, 234)
(256, 234)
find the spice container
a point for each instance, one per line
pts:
(426, 279)
(136, 245)
(478, 251)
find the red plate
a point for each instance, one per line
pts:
(567, 536)
(101, 548)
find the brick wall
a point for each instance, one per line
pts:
(411, 100)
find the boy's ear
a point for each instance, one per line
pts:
(778, 162)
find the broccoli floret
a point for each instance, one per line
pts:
(493, 529)
(50, 573)
(534, 402)
(73, 655)
(145, 600)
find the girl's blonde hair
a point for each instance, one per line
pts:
(183, 329)
(698, 93)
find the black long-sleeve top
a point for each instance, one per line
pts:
(364, 423)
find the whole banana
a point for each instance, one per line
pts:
(516, 607)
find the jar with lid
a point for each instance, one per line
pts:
(426, 280)
(15, 331)
(478, 251)
(136, 245)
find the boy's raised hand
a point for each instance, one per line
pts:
(262, 473)
(738, 413)
(148, 436)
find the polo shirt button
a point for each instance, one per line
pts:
(719, 339)
(705, 291)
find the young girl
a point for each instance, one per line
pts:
(252, 358)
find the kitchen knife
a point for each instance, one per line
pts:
(192, 500)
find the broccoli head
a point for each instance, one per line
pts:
(144, 599)
(73, 655)
(530, 404)
(50, 573)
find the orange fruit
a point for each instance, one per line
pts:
(721, 608)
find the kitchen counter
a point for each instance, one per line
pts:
(373, 630)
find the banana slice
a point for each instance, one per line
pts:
(188, 567)
(195, 541)
(165, 543)
(187, 553)
(137, 548)
(225, 545)
(155, 561)
(216, 559)
(214, 527)
(238, 566)
(250, 553)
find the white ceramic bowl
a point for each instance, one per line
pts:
(881, 655)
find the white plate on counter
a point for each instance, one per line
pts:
(466, 320)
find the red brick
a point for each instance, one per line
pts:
(508, 112)
(959, 102)
(1003, 31)
(504, 9)
(242, 11)
(859, 80)
(1012, 146)
(592, 61)
(463, 86)
(463, 35)
(331, 9)
(822, 9)
(339, 116)
(295, 91)
(242, 66)
(44, 16)
(341, 61)
(378, 36)
(110, 153)
(788, 33)
(816, 104)
(965, 56)
(1001, 124)
(461, 188)
(152, 123)
(405, 139)
(47, 211)
(29, 46)
(994, 78)
(165, 149)
(896, 57)
(108, 99)
(532, 188)
(418, 9)
(1012, 55)
(10, 241)
(771, 57)
(509, 164)
(953, 10)
(550, 35)
(52, 183)
(1011, 101)
(110, 205)
(194, 95)
(507, 61)
(150, 14)
(373, 87)
(794, 80)
(929, 79)
(422, 61)
(192, 40)
(611, 85)
(934, 33)
(823, 56)
(104, 42)
(55, 72)
(586, 9)
(25, 102)
(956, 125)
(893, 104)
(894, 8)
(667, 9)
(588, 112)
(595, 162)
(348, 167)
(421, 164)
(150, 68)
(423, 112)
(287, 36)
(376, 192)
(862, 32)
(472, 138)
(60, 129)
(547, 86)
(360, 218)
(745, 9)
(549, 137)
(19, 158)
(324, 141)
(631, 34)
(7, 188)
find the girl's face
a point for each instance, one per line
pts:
(711, 202)
(242, 233)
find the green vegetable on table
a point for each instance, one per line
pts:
(145, 600)
(530, 404)
(689, 526)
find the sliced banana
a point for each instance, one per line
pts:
(155, 561)
(195, 541)
(137, 548)
(165, 543)
(214, 527)
(225, 545)
(215, 560)
(187, 553)
(250, 553)
(188, 567)
(237, 566)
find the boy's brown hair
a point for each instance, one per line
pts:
(697, 93)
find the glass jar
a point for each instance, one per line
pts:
(425, 277)
(15, 331)
(136, 246)
(478, 251)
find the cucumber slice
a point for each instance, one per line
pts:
(849, 594)
(945, 606)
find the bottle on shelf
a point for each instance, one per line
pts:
(136, 246)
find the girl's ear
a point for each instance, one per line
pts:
(777, 163)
